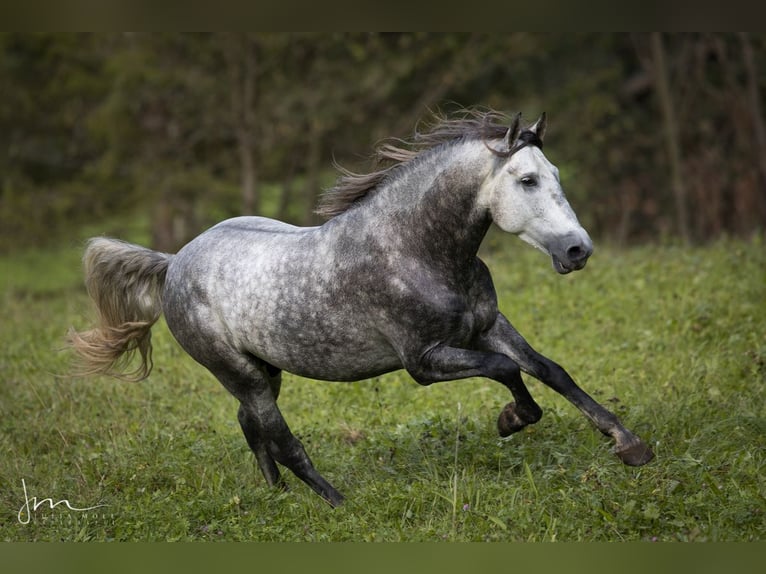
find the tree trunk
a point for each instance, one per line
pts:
(312, 169)
(756, 115)
(670, 129)
(241, 61)
(462, 61)
(250, 203)
(162, 225)
(286, 196)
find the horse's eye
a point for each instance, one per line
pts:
(528, 181)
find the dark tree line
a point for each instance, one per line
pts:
(656, 135)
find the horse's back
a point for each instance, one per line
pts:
(237, 244)
(247, 230)
(254, 224)
(237, 254)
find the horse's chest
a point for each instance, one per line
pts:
(473, 321)
(457, 320)
(439, 307)
(477, 311)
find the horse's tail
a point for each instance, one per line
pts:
(125, 281)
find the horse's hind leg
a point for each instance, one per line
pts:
(257, 445)
(267, 433)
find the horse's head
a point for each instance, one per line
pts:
(524, 197)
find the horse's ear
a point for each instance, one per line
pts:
(513, 132)
(539, 126)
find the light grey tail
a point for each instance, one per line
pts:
(125, 281)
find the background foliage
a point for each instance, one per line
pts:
(153, 137)
(658, 135)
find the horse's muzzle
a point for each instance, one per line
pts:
(572, 254)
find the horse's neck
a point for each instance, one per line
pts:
(431, 209)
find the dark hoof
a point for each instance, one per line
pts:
(636, 454)
(334, 498)
(512, 419)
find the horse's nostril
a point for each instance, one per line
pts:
(576, 252)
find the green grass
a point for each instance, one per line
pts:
(672, 339)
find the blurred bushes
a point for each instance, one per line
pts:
(192, 128)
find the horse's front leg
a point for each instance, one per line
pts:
(445, 363)
(504, 338)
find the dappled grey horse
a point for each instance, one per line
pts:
(392, 280)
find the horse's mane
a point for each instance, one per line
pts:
(394, 152)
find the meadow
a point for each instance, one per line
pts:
(671, 338)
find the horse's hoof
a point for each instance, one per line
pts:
(512, 419)
(330, 495)
(636, 454)
(335, 499)
(509, 422)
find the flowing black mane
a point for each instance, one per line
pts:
(393, 153)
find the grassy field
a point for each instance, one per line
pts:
(672, 339)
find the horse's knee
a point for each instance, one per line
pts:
(422, 373)
(422, 378)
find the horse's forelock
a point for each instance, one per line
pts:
(528, 137)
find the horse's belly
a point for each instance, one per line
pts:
(352, 367)
(347, 354)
